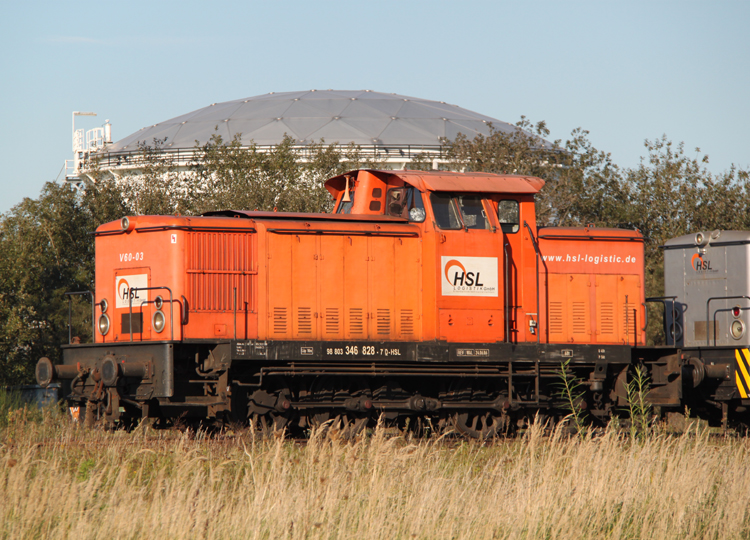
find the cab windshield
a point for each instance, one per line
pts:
(459, 211)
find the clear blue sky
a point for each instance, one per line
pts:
(625, 71)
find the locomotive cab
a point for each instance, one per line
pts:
(472, 227)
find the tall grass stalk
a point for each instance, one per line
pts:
(640, 409)
(570, 389)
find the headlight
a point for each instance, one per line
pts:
(103, 305)
(737, 328)
(158, 321)
(676, 331)
(103, 324)
(158, 302)
(417, 215)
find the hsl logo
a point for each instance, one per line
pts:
(462, 278)
(123, 289)
(699, 265)
(131, 286)
(468, 276)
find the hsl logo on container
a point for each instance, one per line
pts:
(699, 265)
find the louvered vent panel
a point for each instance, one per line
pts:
(280, 321)
(356, 321)
(332, 321)
(384, 322)
(579, 318)
(607, 318)
(556, 317)
(407, 322)
(304, 320)
(219, 263)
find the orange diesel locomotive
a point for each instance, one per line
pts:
(424, 295)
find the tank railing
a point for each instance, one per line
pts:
(70, 296)
(134, 291)
(708, 302)
(188, 157)
(538, 256)
(663, 300)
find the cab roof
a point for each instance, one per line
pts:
(448, 181)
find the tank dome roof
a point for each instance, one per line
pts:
(363, 117)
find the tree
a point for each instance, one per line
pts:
(45, 250)
(670, 194)
(285, 178)
(582, 183)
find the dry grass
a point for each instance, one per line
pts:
(62, 481)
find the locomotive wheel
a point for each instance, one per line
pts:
(334, 389)
(269, 423)
(480, 425)
(264, 411)
(417, 426)
(348, 426)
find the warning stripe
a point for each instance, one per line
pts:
(744, 366)
(739, 385)
(742, 361)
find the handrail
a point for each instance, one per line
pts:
(171, 309)
(348, 233)
(507, 294)
(211, 228)
(708, 302)
(627, 323)
(70, 314)
(538, 256)
(663, 299)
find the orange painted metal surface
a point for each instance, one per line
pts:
(595, 285)
(464, 274)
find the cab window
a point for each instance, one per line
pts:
(508, 216)
(346, 207)
(445, 210)
(472, 212)
(457, 211)
(402, 201)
